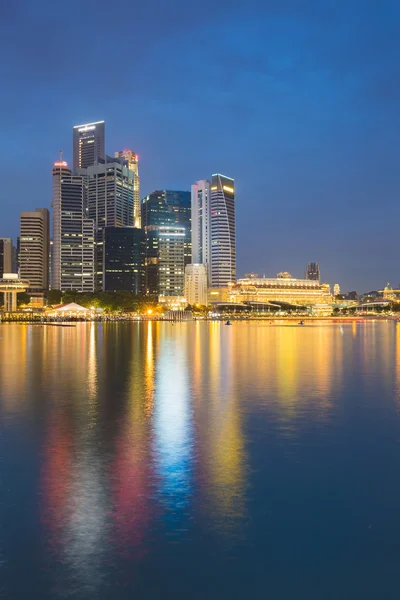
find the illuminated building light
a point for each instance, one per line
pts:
(85, 127)
(224, 176)
(294, 291)
(223, 238)
(170, 234)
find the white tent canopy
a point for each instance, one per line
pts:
(71, 308)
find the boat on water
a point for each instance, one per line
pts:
(228, 322)
(300, 323)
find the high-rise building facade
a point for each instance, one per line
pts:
(165, 260)
(223, 233)
(109, 201)
(312, 272)
(201, 230)
(73, 233)
(196, 284)
(110, 186)
(5, 256)
(34, 244)
(124, 251)
(133, 164)
(88, 142)
(155, 210)
(169, 207)
(180, 204)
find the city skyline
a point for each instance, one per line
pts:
(123, 155)
(199, 199)
(298, 105)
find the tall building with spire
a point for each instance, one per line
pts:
(88, 143)
(223, 231)
(133, 164)
(73, 233)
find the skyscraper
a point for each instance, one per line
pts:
(88, 144)
(110, 190)
(133, 164)
(34, 249)
(180, 204)
(201, 231)
(110, 185)
(223, 234)
(165, 260)
(312, 272)
(124, 259)
(155, 210)
(170, 207)
(5, 256)
(73, 233)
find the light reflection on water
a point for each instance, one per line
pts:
(129, 452)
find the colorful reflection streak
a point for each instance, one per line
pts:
(131, 468)
(73, 504)
(173, 426)
(222, 437)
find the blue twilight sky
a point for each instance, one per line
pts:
(297, 100)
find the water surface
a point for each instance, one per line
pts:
(151, 460)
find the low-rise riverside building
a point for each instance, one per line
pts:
(283, 289)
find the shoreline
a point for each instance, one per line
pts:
(145, 319)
